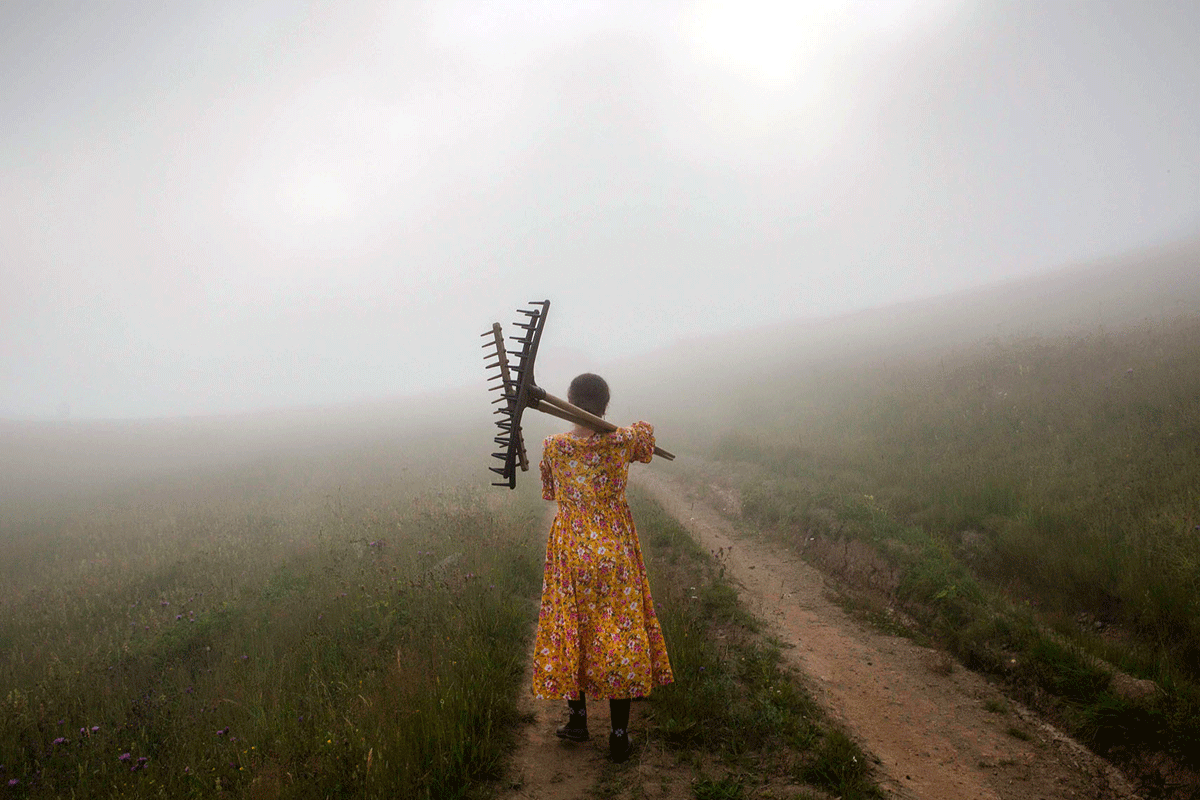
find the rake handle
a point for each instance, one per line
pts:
(557, 407)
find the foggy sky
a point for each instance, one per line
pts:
(225, 206)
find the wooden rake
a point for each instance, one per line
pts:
(518, 391)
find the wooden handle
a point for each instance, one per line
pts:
(557, 407)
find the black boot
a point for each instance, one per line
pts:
(576, 728)
(620, 743)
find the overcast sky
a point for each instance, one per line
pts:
(227, 206)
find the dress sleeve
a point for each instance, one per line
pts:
(642, 448)
(547, 474)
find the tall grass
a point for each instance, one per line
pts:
(194, 637)
(1078, 460)
(1061, 473)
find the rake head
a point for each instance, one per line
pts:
(516, 388)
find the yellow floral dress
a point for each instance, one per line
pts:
(597, 631)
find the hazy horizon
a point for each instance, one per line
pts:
(241, 207)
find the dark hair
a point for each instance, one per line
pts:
(590, 392)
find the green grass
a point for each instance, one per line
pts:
(1014, 489)
(359, 643)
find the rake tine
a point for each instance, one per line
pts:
(524, 460)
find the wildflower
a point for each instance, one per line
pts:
(124, 757)
(61, 740)
(95, 729)
(13, 782)
(223, 731)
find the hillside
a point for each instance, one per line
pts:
(709, 380)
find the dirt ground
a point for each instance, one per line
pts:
(938, 731)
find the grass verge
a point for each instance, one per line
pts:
(1149, 727)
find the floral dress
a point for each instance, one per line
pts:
(597, 631)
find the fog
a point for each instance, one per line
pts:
(233, 207)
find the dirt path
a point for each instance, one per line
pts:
(928, 726)
(545, 766)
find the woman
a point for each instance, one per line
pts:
(597, 632)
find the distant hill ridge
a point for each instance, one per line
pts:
(1156, 284)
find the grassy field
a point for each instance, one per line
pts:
(340, 621)
(1035, 501)
(327, 627)
(330, 620)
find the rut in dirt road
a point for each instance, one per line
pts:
(929, 728)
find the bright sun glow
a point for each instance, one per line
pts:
(763, 41)
(775, 44)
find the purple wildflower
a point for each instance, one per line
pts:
(13, 782)
(124, 757)
(95, 729)
(223, 731)
(61, 740)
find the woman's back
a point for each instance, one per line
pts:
(593, 469)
